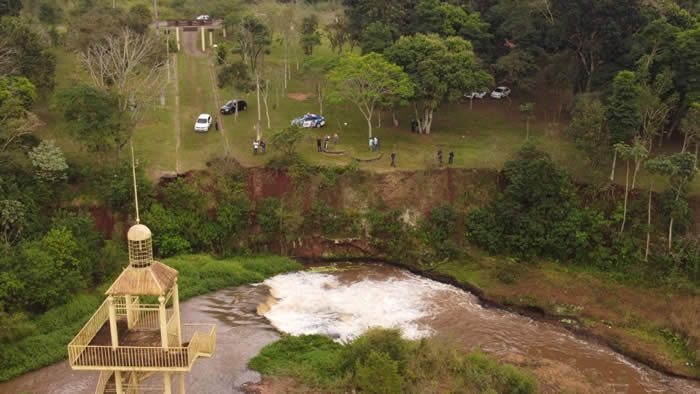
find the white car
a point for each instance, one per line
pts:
(203, 123)
(204, 18)
(476, 95)
(500, 92)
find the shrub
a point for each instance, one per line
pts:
(378, 374)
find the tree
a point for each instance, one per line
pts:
(623, 111)
(287, 139)
(657, 100)
(17, 95)
(637, 153)
(33, 59)
(94, 117)
(130, 66)
(587, 127)
(517, 68)
(49, 161)
(378, 374)
(682, 173)
(442, 70)
(337, 33)
(445, 19)
(376, 38)
(310, 35)
(318, 67)
(365, 81)
(253, 37)
(597, 32)
(528, 110)
(658, 165)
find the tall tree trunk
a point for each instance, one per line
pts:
(428, 119)
(379, 119)
(637, 166)
(418, 119)
(627, 192)
(670, 224)
(612, 173)
(646, 252)
(396, 121)
(286, 62)
(369, 124)
(319, 94)
(267, 109)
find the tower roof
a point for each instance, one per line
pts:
(156, 279)
(138, 232)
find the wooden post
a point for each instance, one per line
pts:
(211, 38)
(224, 31)
(182, 383)
(167, 385)
(113, 322)
(204, 43)
(118, 382)
(130, 321)
(163, 322)
(177, 37)
(176, 312)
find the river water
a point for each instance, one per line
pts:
(347, 300)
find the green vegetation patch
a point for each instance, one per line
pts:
(380, 361)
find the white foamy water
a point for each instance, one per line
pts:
(314, 303)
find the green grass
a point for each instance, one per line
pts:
(379, 361)
(198, 274)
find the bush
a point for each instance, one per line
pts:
(380, 361)
(378, 374)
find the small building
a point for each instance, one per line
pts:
(133, 334)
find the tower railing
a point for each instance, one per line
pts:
(143, 358)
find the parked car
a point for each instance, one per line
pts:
(309, 120)
(500, 92)
(233, 106)
(476, 95)
(203, 18)
(203, 123)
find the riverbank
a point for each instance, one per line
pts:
(198, 274)
(656, 327)
(381, 361)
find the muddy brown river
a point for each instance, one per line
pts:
(346, 300)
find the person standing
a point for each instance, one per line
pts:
(318, 144)
(451, 158)
(439, 158)
(371, 143)
(393, 159)
(216, 123)
(263, 146)
(256, 144)
(376, 143)
(335, 139)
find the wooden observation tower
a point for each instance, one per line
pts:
(133, 335)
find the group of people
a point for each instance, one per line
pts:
(259, 146)
(322, 143)
(450, 158)
(373, 144)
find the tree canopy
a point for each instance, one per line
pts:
(442, 69)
